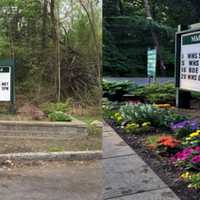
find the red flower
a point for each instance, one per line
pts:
(168, 141)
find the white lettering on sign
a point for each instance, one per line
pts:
(190, 62)
(5, 83)
(195, 38)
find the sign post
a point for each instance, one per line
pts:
(151, 64)
(7, 83)
(187, 65)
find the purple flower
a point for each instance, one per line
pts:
(192, 124)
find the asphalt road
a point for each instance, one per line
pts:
(139, 80)
(52, 181)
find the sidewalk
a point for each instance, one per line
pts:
(64, 180)
(126, 175)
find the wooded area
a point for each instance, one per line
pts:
(132, 26)
(56, 45)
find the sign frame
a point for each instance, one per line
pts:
(183, 96)
(178, 45)
(10, 63)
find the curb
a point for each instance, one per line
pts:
(54, 156)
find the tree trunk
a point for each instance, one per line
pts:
(154, 36)
(92, 25)
(44, 24)
(56, 42)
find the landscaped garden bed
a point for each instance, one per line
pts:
(167, 140)
(161, 165)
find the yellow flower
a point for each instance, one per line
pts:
(132, 126)
(145, 124)
(117, 115)
(119, 118)
(185, 175)
(137, 125)
(195, 134)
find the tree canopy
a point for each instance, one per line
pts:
(128, 33)
(55, 44)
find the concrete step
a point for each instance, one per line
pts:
(43, 129)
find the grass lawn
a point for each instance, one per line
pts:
(22, 145)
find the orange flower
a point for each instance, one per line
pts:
(168, 141)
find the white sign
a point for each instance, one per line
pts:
(5, 83)
(190, 62)
(151, 63)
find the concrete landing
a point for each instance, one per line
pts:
(126, 175)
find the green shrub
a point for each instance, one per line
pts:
(157, 93)
(161, 98)
(154, 93)
(59, 116)
(113, 87)
(94, 130)
(53, 107)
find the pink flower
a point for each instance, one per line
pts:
(196, 159)
(185, 154)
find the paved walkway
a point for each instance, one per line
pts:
(53, 181)
(126, 175)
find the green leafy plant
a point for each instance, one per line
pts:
(109, 108)
(94, 130)
(60, 106)
(152, 141)
(157, 93)
(114, 90)
(192, 178)
(59, 116)
(140, 113)
(114, 86)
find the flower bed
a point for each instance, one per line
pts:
(169, 142)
